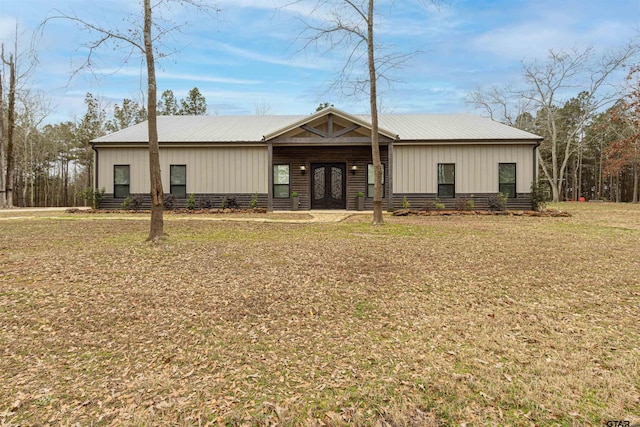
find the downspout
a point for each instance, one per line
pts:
(535, 161)
(95, 167)
(390, 171)
(95, 175)
(535, 168)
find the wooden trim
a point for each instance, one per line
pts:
(347, 130)
(347, 140)
(315, 131)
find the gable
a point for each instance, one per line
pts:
(329, 126)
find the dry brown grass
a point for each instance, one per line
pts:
(422, 322)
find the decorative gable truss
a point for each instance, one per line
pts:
(329, 126)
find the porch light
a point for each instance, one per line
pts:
(354, 168)
(303, 169)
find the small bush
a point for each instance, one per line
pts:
(438, 204)
(254, 201)
(232, 203)
(464, 203)
(191, 202)
(205, 202)
(92, 197)
(538, 196)
(126, 204)
(405, 203)
(294, 194)
(136, 202)
(169, 201)
(497, 202)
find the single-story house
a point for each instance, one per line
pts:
(324, 157)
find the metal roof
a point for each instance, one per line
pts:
(410, 127)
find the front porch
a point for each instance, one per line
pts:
(328, 177)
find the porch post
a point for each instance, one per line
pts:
(270, 177)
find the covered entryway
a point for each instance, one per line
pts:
(328, 156)
(328, 186)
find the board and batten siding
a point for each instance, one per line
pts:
(415, 167)
(225, 170)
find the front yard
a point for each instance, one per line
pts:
(426, 321)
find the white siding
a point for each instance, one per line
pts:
(209, 169)
(415, 167)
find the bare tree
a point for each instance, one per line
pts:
(11, 126)
(3, 194)
(577, 70)
(350, 24)
(140, 39)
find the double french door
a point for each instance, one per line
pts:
(328, 186)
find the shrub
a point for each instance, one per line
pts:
(92, 197)
(438, 204)
(232, 203)
(405, 203)
(191, 202)
(464, 203)
(169, 201)
(205, 202)
(497, 202)
(470, 203)
(538, 198)
(254, 201)
(360, 194)
(126, 204)
(136, 202)
(294, 194)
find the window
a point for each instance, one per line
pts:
(507, 179)
(178, 181)
(121, 181)
(446, 179)
(371, 180)
(281, 181)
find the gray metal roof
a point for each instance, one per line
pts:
(414, 127)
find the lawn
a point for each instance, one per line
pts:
(425, 321)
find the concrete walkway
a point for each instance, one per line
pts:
(315, 216)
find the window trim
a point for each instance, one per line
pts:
(172, 185)
(128, 185)
(515, 180)
(275, 183)
(440, 193)
(384, 171)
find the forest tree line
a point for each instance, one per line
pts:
(591, 146)
(53, 163)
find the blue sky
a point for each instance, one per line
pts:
(249, 57)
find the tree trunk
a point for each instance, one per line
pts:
(157, 223)
(375, 143)
(3, 195)
(11, 119)
(636, 178)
